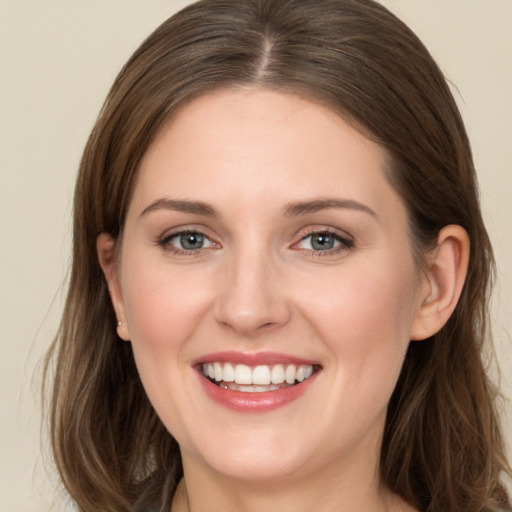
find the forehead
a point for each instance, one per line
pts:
(256, 143)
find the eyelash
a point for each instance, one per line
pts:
(165, 242)
(345, 243)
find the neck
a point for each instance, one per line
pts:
(357, 489)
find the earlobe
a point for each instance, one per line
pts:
(105, 248)
(444, 281)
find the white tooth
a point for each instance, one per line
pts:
(309, 371)
(301, 373)
(243, 374)
(261, 375)
(211, 372)
(217, 370)
(277, 375)
(247, 389)
(290, 374)
(229, 373)
(205, 370)
(261, 389)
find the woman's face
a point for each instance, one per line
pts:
(263, 246)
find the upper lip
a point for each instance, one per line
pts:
(252, 358)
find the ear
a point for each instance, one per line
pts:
(105, 248)
(443, 283)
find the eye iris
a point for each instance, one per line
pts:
(191, 241)
(322, 242)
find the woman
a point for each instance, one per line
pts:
(280, 275)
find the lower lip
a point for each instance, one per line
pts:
(265, 401)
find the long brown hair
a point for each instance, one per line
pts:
(442, 448)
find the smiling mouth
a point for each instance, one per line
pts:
(257, 379)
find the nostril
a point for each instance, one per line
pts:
(248, 328)
(267, 326)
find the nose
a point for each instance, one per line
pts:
(252, 297)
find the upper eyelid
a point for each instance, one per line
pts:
(164, 240)
(342, 234)
(302, 234)
(181, 230)
(164, 243)
(167, 238)
(345, 240)
(187, 232)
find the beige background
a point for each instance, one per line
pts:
(57, 60)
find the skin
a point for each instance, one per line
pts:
(259, 285)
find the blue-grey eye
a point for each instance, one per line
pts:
(323, 241)
(188, 241)
(191, 241)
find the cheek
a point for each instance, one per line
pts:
(375, 299)
(162, 306)
(364, 318)
(163, 310)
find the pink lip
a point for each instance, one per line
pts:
(251, 359)
(253, 402)
(266, 401)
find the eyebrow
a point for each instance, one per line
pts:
(197, 207)
(294, 209)
(305, 207)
